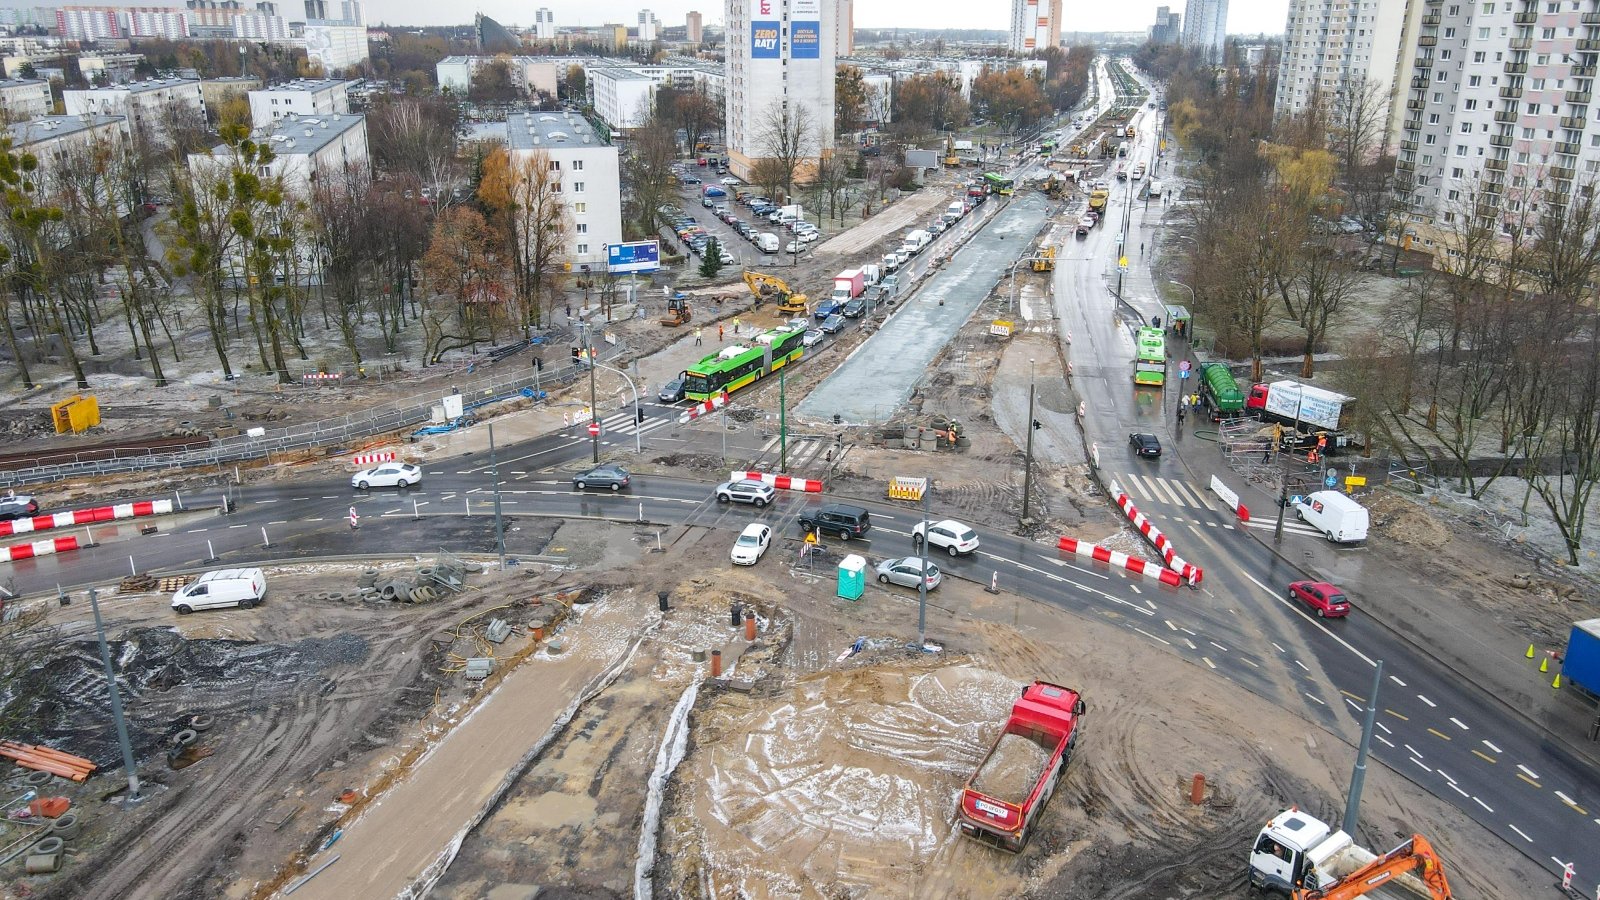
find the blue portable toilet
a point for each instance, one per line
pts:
(852, 577)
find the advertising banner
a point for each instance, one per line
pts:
(764, 40)
(810, 10)
(805, 39)
(638, 256)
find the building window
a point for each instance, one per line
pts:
(1477, 57)
(1483, 34)
(555, 165)
(1472, 104)
(577, 187)
(1456, 173)
(583, 249)
(1548, 34)
(580, 207)
(583, 228)
(577, 165)
(1474, 80)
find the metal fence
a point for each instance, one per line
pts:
(330, 432)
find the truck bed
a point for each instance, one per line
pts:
(1012, 769)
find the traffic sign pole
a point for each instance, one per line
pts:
(594, 429)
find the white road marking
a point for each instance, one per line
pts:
(1565, 799)
(1460, 724)
(318, 519)
(1170, 625)
(1315, 698)
(1188, 632)
(1153, 637)
(1353, 705)
(1063, 564)
(1458, 790)
(1446, 777)
(1212, 643)
(1397, 681)
(1528, 772)
(1191, 644)
(1324, 628)
(1150, 603)
(1384, 727)
(1249, 662)
(1422, 764)
(1279, 646)
(1386, 741)
(266, 501)
(1133, 587)
(298, 499)
(1431, 704)
(1492, 747)
(1413, 750)
(1520, 832)
(1486, 806)
(1301, 665)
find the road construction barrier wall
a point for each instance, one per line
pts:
(42, 548)
(1228, 496)
(367, 459)
(781, 482)
(907, 488)
(704, 408)
(1120, 560)
(86, 516)
(1191, 574)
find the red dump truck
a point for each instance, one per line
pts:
(1015, 780)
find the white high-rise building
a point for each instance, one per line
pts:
(1341, 51)
(1035, 25)
(544, 24)
(693, 28)
(1495, 113)
(649, 25)
(844, 29)
(1205, 25)
(590, 175)
(778, 64)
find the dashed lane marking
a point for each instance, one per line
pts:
(1190, 644)
(1458, 790)
(267, 501)
(1279, 646)
(1249, 662)
(1279, 598)
(1446, 776)
(1530, 781)
(1208, 661)
(1439, 734)
(1384, 727)
(1218, 646)
(1402, 718)
(318, 519)
(1492, 747)
(1170, 625)
(1460, 724)
(238, 526)
(1486, 806)
(1484, 756)
(1314, 697)
(1519, 831)
(1386, 741)
(1431, 704)
(298, 499)
(1353, 705)
(1528, 772)
(1568, 801)
(1397, 681)
(1153, 637)
(1060, 562)
(1413, 750)
(1421, 763)
(1302, 665)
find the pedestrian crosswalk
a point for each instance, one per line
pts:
(625, 423)
(1168, 491)
(803, 452)
(1290, 525)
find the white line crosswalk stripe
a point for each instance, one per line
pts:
(1135, 487)
(1294, 527)
(1170, 490)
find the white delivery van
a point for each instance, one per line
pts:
(954, 211)
(768, 242)
(871, 273)
(916, 240)
(890, 262)
(243, 588)
(1343, 520)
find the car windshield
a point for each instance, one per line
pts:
(748, 540)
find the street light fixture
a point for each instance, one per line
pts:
(637, 412)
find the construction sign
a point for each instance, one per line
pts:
(907, 488)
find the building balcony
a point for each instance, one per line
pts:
(1429, 40)
(1488, 210)
(1404, 165)
(1408, 145)
(1525, 18)
(1588, 45)
(1500, 140)
(1576, 123)
(1415, 104)
(1505, 116)
(1564, 173)
(1590, 18)
(1420, 82)
(1567, 148)
(1583, 71)
(1523, 43)
(1491, 186)
(1579, 97)
(1412, 125)
(1511, 92)
(1516, 68)
(1431, 19)
(1495, 165)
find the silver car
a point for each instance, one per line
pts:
(756, 493)
(907, 571)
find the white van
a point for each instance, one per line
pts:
(243, 588)
(1343, 520)
(890, 262)
(954, 211)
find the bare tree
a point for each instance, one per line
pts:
(524, 195)
(788, 135)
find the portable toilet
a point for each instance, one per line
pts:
(852, 577)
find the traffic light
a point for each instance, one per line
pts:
(577, 354)
(538, 363)
(639, 414)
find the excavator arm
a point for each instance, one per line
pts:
(764, 285)
(1414, 857)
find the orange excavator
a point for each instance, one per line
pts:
(1415, 857)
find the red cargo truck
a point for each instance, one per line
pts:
(1015, 780)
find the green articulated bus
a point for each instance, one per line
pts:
(996, 183)
(1150, 367)
(734, 367)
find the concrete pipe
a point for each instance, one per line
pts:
(66, 827)
(42, 863)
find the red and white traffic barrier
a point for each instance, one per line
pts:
(1120, 560)
(704, 408)
(1226, 495)
(782, 482)
(322, 376)
(367, 459)
(42, 548)
(86, 516)
(1191, 574)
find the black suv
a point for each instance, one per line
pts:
(837, 518)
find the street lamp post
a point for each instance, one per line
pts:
(116, 700)
(1027, 456)
(638, 447)
(594, 418)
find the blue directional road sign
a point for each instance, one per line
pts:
(637, 256)
(1330, 481)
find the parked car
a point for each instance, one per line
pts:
(689, 179)
(672, 391)
(907, 571)
(812, 337)
(873, 295)
(855, 309)
(390, 474)
(16, 506)
(824, 309)
(730, 180)
(793, 246)
(613, 477)
(243, 588)
(755, 493)
(752, 543)
(809, 237)
(936, 227)
(951, 536)
(1145, 444)
(842, 519)
(833, 324)
(1323, 598)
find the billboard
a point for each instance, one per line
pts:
(637, 256)
(805, 10)
(764, 40)
(805, 40)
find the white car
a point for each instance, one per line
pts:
(390, 474)
(811, 236)
(812, 337)
(951, 535)
(752, 543)
(756, 493)
(730, 180)
(792, 247)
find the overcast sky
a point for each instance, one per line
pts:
(1244, 16)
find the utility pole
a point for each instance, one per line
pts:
(594, 410)
(499, 524)
(1358, 777)
(783, 423)
(1027, 458)
(1283, 501)
(922, 581)
(116, 701)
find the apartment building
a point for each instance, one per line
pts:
(693, 27)
(649, 26)
(115, 68)
(1205, 26)
(305, 148)
(1168, 28)
(303, 97)
(336, 46)
(56, 140)
(621, 97)
(844, 29)
(537, 75)
(544, 24)
(777, 62)
(89, 23)
(143, 103)
(590, 178)
(216, 91)
(1496, 115)
(1035, 25)
(1340, 53)
(25, 98)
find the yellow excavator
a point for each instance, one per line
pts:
(1045, 261)
(950, 157)
(764, 286)
(678, 312)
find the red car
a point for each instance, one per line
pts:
(1322, 597)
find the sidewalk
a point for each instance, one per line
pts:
(1477, 649)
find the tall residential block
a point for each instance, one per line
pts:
(1341, 54)
(844, 29)
(1205, 26)
(777, 65)
(544, 24)
(1035, 25)
(693, 30)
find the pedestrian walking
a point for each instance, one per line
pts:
(697, 341)
(720, 337)
(735, 325)
(569, 311)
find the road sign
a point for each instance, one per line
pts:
(1123, 263)
(594, 429)
(1183, 366)
(1296, 500)
(1330, 481)
(1184, 374)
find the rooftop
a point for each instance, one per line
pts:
(308, 84)
(49, 127)
(297, 135)
(619, 73)
(20, 82)
(155, 84)
(547, 130)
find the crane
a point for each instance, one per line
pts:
(1415, 857)
(762, 285)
